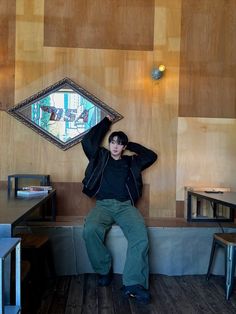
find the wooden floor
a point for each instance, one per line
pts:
(170, 294)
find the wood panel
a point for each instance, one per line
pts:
(206, 153)
(102, 24)
(208, 59)
(7, 53)
(71, 201)
(165, 96)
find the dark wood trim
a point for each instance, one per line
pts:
(179, 209)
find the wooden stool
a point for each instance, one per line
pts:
(25, 278)
(24, 272)
(36, 249)
(32, 241)
(25, 269)
(228, 242)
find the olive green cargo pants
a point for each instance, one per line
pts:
(98, 223)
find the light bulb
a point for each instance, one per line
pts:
(162, 67)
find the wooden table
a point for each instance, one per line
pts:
(14, 210)
(227, 199)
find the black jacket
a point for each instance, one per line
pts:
(98, 158)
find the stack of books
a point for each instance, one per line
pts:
(33, 190)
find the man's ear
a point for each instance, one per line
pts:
(124, 148)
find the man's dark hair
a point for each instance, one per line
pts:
(122, 138)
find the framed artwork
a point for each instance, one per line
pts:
(62, 113)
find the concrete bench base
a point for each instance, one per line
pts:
(173, 250)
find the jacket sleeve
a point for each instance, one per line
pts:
(145, 157)
(92, 140)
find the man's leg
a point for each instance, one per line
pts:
(136, 270)
(97, 224)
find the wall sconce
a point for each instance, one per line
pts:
(157, 73)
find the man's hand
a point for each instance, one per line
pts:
(110, 117)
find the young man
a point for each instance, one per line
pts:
(115, 180)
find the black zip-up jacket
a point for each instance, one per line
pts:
(98, 157)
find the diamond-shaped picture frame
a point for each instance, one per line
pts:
(62, 113)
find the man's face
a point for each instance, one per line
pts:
(116, 149)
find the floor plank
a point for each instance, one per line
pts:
(74, 303)
(105, 300)
(121, 304)
(188, 286)
(60, 296)
(90, 304)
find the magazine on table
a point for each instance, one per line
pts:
(34, 190)
(37, 188)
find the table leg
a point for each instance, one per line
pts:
(6, 232)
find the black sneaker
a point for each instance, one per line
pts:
(105, 280)
(138, 292)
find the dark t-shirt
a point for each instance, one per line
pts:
(113, 180)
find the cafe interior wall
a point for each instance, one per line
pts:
(194, 149)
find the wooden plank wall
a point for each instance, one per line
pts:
(208, 59)
(120, 76)
(7, 53)
(207, 107)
